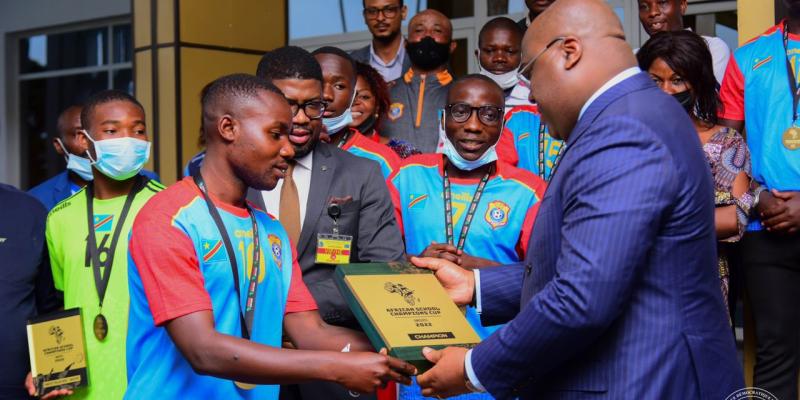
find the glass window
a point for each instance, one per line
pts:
(123, 80)
(83, 48)
(40, 102)
(48, 83)
(123, 44)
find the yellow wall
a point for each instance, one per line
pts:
(173, 63)
(755, 16)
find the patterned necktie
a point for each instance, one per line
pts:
(290, 206)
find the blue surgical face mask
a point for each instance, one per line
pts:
(120, 158)
(446, 147)
(79, 165)
(336, 124)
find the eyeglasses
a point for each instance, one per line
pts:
(388, 11)
(313, 109)
(525, 70)
(488, 115)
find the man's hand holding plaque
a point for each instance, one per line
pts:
(458, 282)
(447, 377)
(405, 309)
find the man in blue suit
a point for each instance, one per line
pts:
(618, 297)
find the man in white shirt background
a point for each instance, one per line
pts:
(663, 16)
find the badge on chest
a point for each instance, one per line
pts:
(334, 248)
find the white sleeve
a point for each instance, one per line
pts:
(720, 54)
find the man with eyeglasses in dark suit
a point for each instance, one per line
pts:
(387, 51)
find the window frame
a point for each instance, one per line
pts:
(17, 172)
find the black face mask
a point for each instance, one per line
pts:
(685, 98)
(427, 54)
(366, 126)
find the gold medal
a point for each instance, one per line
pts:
(245, 386)
(791, 138)
(100, 327)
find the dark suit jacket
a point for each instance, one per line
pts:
(619, 296)
(523, 23)
(368, 217)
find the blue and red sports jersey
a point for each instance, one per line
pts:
(519, 142)
(756, 90)
(178, 265)
(365, 147)
(502, 223)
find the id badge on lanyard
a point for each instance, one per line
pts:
(334, 248)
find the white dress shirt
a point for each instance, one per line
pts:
(302, 179)
(394, 68)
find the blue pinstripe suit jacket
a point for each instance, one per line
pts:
(619, 296)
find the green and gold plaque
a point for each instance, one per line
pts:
(57, 351)
(403, 308)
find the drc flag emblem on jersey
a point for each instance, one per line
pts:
(395, 111)
(103, 222)
(275, 245)
(416, 199)
(213, 251)
(497, 214)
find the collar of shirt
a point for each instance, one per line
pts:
(608, 85)
(302, 179)
(443, 77)
(305, 161)
(397, 57)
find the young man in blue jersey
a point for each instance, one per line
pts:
(339, 93)
(525, 142)
(764, 72)
(464, 205)
(194, 330)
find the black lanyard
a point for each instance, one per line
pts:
(792, 81)
(246, 318)
(448, 209)
(345, 136)
(100, 280)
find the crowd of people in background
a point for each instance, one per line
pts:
(383, 149)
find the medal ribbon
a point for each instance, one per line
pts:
(344, 138)
(792, 81)
(101, 281)
(246, 318)
(448, 209)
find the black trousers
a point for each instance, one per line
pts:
(772, 273)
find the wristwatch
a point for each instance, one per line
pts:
(757, 195)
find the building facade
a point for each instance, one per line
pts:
(55, 53)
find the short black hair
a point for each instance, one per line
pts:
(337, 52)
(477, 77)
(504, 23)
(226, 90)
(106, 96)
(61, 123)
(288, 62)
(364, 3)
(688, 55)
